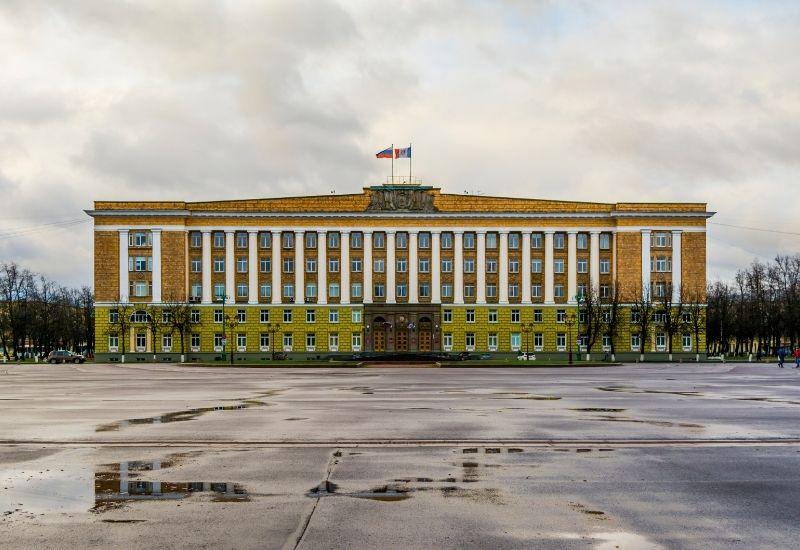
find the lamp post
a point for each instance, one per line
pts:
(222, 299)
(272, 329)
(232, 323)
(570, 322)
(527, 328)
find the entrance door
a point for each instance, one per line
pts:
(425, 340)
(401, 340)
(379, 340)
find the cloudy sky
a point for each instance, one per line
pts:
(201, 99)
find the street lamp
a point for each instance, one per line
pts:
(222, 298)
(232, 323)
(527, 328)
(570, 322)
(272, 329)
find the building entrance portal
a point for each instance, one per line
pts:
(403, 328)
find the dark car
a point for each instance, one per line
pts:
(63, 356)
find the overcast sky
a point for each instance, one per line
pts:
(202, 100)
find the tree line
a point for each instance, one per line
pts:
(759, 311)
(38, 315)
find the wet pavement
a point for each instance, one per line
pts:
(656, 456)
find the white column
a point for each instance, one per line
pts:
(367, 267)
(156, 265)
(277, 291)
(548, 267)
(322, 267)
(207, 267)
(594, 261)
(614, 256)
(480, 268)
(413, 264)
(230, 265)
(572, 265)
(390, 268)
(299, 267)
(646, 263)
(502, 267)
(252, 266)
(436, 268)
(676, 266)
(458, 267)
(344, 268)
(525, 268)
(124, 289)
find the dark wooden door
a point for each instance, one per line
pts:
(379, 341)
(401, 340)
(425, 340)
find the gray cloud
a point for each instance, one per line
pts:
(210, 100)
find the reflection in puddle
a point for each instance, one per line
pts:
(178, 416)
(624, 541)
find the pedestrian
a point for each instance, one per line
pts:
(797, 358)
(781, 356)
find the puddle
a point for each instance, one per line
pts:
(599, 514)
(768, 400)
(531, 397)
(295, 418)
(622, 540)
(628, 389)
(598, 409)
(385, 493)
(178, 416)
(481, 496)
(662, 423)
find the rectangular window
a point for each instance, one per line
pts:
(536, 240)
(515, 340)
(311, 265)
(424, 290)
(333, 341)
(379, 291)
(561, 342)
(402, 265)
(605, 241)
(264, 316)
(241, 342)
(561, 315)
(513, 241)
(447, 316)
(197, 290)
(558, 266)
(356, 290)
(536, 290)
(356, 238)
(536, 265)
(491, 266)
(469, 341)
(686, 342)
(333, 265)
(355, 265)
(606, 342)
(218, 316)
(241, 264)
(265, 265)
(661, 239)
(470, 315)
(333, 290)
(218, 338)
(288, 240)
(636, 342)
(558, 291)
(635, 316)
(265, 239)
(141, 289)
(492, 341)
(447, 240)
(582, 289)
(140, 238)
(113, 343)
(333, 315)
(513, 266)
(311, 290)
(469, 291)
(356, 316)
(263, 342)
(378, 265)
(288, 341)
(491, 240)
(197, 265)
(558, 241)
(196, 240)
(469, 266)
(661, 341)
(288, 265)
(513, 291)
(659, 289)
(605, 266)
(219, 239)
(447, 341)
(515, 316)
(492, 315)
(311, 341)
(447, 266)
(424, 240)
(194, 342)
(219, 291)
(424, 265)
(583, 265)
(219, 265)
(378, 239)
(538, 317)
(468, 241)
(241, 316)
(401, 240)
(195, 316)
(355, 341)
(241, 240)
(491, 291)
(288, 290)
(241, 290)
(538, 341)
(582, 241)
(311, 316)
(311, 239)
(661, 264)
(266, 290)
(447, 290)
(605, 291)
(401, 290)
(287, 315)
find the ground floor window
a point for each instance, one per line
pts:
(516, 341)
(447, 341)
(356, 341)
(538, 341)
(141, 341)
(113, 343)
(606, 342)
(469, 341)
(687, 342)
(493, 341)
(166, 343)
(561, 341)
(333, 342)
(288, 342)
(263, 343)
(241, 342)
(218, 342)
(636, 342)
(661, 341)
(194, 342)
(311, 341)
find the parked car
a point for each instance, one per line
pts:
(64, 356)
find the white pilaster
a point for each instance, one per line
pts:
(614, 256)
(344, 267)
(572, 265)
(156, 265)
(391, 268)
(299, 267)
(207, 267)
(277, 291)
(367, 267)
(480, 268)
(124, 284)
(252, 266)
(646, 263)
(502, 268)
(436, 267)
(676, 266)
(548, 267)
(525, 268)
(594, 261)
(322, 267)
(413, 264)
(230, 265)
(458, 267)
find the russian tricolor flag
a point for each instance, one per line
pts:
(385, 154)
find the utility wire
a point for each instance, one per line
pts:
(756, 228)
(24, 231)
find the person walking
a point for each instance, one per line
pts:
(781, 356)
(797, 358)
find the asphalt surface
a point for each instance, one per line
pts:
(638, 456)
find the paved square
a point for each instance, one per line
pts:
(672, 456)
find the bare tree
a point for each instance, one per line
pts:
(671, 313)
(642, 316)
(180, 320)
(590, 320)
(155, 325)
(695, 307)
(119, 324)
(612, 310)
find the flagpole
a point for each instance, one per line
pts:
(409, 162)
(392, 180)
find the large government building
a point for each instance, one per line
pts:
(402, 268)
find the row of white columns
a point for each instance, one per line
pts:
(413, 267)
